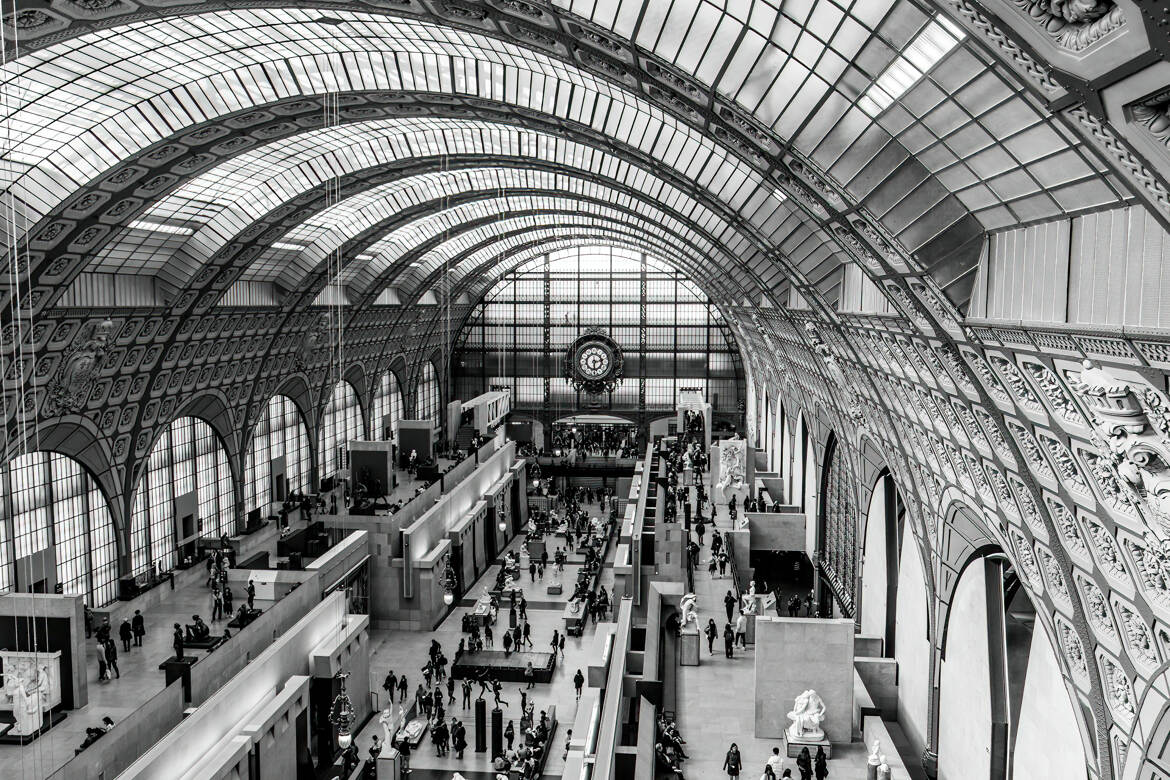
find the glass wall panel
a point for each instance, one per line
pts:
(188, 457)
(387, 408)
(609, 288)
(281, 433)
(342, 421)
(53, 505)
(428, 402)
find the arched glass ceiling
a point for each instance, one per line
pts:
(180, 232)
(89, 102)
(966, 128)
(480, 267)
(336, 226)
(500, 217)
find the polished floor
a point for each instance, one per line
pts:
(405, 652)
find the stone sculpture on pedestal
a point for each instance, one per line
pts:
(807, 716)
(689, 614)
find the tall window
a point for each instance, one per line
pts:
(387, 408)
(341, 423)
(281, 433)
(669, 333)
(187, 457)
(53, 504)
(427, 404)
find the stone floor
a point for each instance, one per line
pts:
(716, 699)
(141, 679)
(405, 652)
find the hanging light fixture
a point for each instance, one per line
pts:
(342, 715)
(450, 581)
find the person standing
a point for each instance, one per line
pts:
(741, 630)
(125, 633)
(578, 683)
(804, 764)
(820, 764)
(103, 674)
(712, 632)
(459, 738)
(177, 642)
(523, 608)
(729, 603)
(466, 694)
(389, 685)
(509, 734)
(528, 633)
(728, 640)
(529, 676)
(402, 689)
(251, 595)
(450, 690)
(733, 762)
(700, 530)
(487, 635)
(216, 604)
(561, 646)
(112, 658)
(776, 762)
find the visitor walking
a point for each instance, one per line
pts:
(728, 640)
(741, 630)
(523, 608)
(390, 684)
(402, 689)
(733, 762)
(578, 682)
(561, 646)
(103, 675)
(138, 626)
(820, 764)
(712, 631)
(700, 531)
(509, 734)
(112, 658)
(729, 602)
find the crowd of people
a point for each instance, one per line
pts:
(607, 441)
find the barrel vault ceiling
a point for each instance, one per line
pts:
(260, 175)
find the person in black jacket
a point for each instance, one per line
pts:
(712, 632)
(728, 640)
(125, 633)
(729, 602)
(138, 626)
(177, 642)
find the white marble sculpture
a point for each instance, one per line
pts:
(385, 720)
(732, 464)
(689, 613)
(808, 713)
(26, 709)
(749, 606)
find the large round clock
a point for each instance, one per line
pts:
(593, 363)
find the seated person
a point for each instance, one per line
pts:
(664, 761)
(197, 631)
(501, 764)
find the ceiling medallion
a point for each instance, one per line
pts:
(594, 363)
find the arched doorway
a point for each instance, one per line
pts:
(881, 546)
(1003, 710)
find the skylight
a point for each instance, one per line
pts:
(159, 227)
(932, 43)
(287, 246)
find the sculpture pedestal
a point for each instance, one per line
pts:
(689, 647)
(751, 629)
(795, 746)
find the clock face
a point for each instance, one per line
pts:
(593, 361)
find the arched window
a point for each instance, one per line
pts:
(427, 403)
(280, 433)
(341, 423)
(188, 460)
(838, 527)
(54, 507)
(387, 408)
